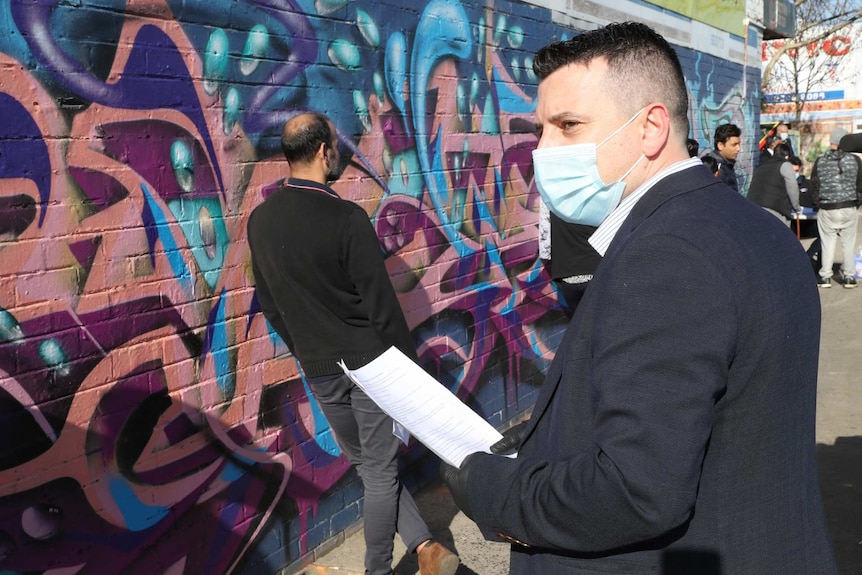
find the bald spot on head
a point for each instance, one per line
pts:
(303, 135)
(296, 125)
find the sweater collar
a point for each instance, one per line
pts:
(311, 185)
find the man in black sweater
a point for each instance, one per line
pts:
(322, 284)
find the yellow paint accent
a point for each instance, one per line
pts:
(727, 15)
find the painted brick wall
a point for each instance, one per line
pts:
(151, 422)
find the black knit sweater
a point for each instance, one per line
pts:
(321, 281)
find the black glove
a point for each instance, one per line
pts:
(511, 440)
(456, 480)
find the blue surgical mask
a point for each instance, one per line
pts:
(568, 180)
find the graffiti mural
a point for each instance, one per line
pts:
(152, 422)
(712, 102)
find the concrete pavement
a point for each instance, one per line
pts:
(839, 454)
(448, 525)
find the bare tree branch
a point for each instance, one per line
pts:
(796, 65)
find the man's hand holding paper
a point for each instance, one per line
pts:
(434, 415)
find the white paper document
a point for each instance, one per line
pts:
(432, 413)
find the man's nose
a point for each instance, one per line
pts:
(546, 140)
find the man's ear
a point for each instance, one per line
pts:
(657, 129)
(322, 150)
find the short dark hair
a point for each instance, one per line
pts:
(693, 147)
(710, 162)
(643, 66)
(782, 150)
(726, 131)
(796, 161)
(302, 136)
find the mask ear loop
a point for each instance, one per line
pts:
(630, 170)
(617, 131)
(620, 129)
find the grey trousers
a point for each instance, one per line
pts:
(364, 434)
(832, 224)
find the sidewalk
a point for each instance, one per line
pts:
(448, 525)
(839, 454)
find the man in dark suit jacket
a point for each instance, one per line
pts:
(768, 149)
(674, 432)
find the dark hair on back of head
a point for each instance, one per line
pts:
(693, 147)
(710, 162)
(726, 131)
(796, 161)
(643, 67)
(782, 151)
(303, 135)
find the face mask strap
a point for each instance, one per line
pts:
(617, 131)
(630, 170)
(620, 129)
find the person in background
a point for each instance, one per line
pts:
(802, 182)
(836, 189)
(322, 285)
(674, 431)
(711, 164)
(693, 147)
(807, 228)
(566, 253)
(774, 187)
(727, 142)
(573, 261)
(768, 149)
(783, 133)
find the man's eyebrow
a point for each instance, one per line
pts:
(556, 118)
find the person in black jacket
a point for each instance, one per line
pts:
(727, 145)
(768, 149)
(782, 132)
(323, 287)
(774, 186)
(573, 260)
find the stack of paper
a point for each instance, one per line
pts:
(433, 414)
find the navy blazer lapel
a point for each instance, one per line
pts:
(687, 180)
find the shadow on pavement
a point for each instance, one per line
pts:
(840, 468)
(438, 510)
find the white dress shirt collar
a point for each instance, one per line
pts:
(604, 234)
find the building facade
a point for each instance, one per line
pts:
(828, 95)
